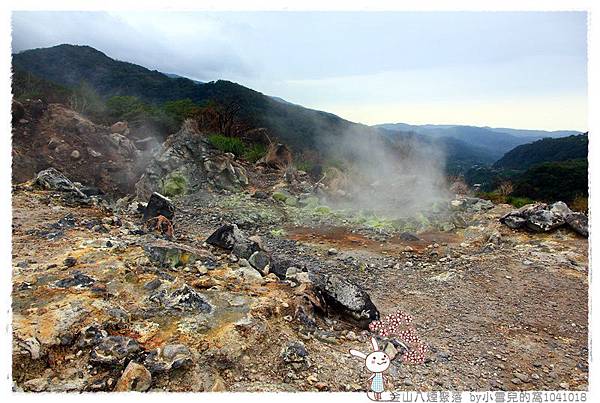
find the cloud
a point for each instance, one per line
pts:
(193, 46)
(348, 62)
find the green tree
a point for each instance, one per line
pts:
(125, 107)
(181, 109)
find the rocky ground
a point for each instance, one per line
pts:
(109, 296)
(498, 309)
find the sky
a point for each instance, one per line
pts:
(502, 69)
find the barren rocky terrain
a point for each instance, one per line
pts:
(109, 296)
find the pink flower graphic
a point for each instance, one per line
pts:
(399, 325)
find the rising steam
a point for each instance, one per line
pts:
(395, 175)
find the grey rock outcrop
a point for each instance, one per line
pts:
(186, 163)
(540, 217)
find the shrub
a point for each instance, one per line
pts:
(255, 152)
(227, 144)
(174, 184)
(495, 197)
(280, 196)
(580, 203)
(85, 100)
(505, 188)
(322, 210)
(518, 201)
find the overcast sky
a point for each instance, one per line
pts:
(522, 69)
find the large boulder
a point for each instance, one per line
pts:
(159, 205)
(244, 249)
(540, 217)
(52, 179)
(347, 299)
(186, 163)
(578, 222)
(230, 237)
(517, 219)
(280, 265)
(260, 261)
(560, 208)
(226, 237)
(544, 221)
(223, 172)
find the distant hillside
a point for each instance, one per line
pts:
(26, 85)
(71, 65)
(545, 150)
(530, 134)
(460, 155)
(547, 170)
(557, 180)
(494, 142)
(63, 69)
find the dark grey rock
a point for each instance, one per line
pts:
(18, 112)
(159, 205)
(408, 237)
(294, 353)
(114, 350)
(578, 222)
(259, 260)
(347, 299)
(91, 191)
(186, 299)
(260, 195)
(245, 249)
(279, 266)
(544, 221)
(166, 358)
(70, 261)
(91, 335)
(77, 280)
(52, 179)
(536, 217)
(226, 237)
(513, 222)
(153, 284)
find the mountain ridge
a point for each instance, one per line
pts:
(300, 127)
(494, 141)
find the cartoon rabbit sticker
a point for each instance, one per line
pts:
(376, 362)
